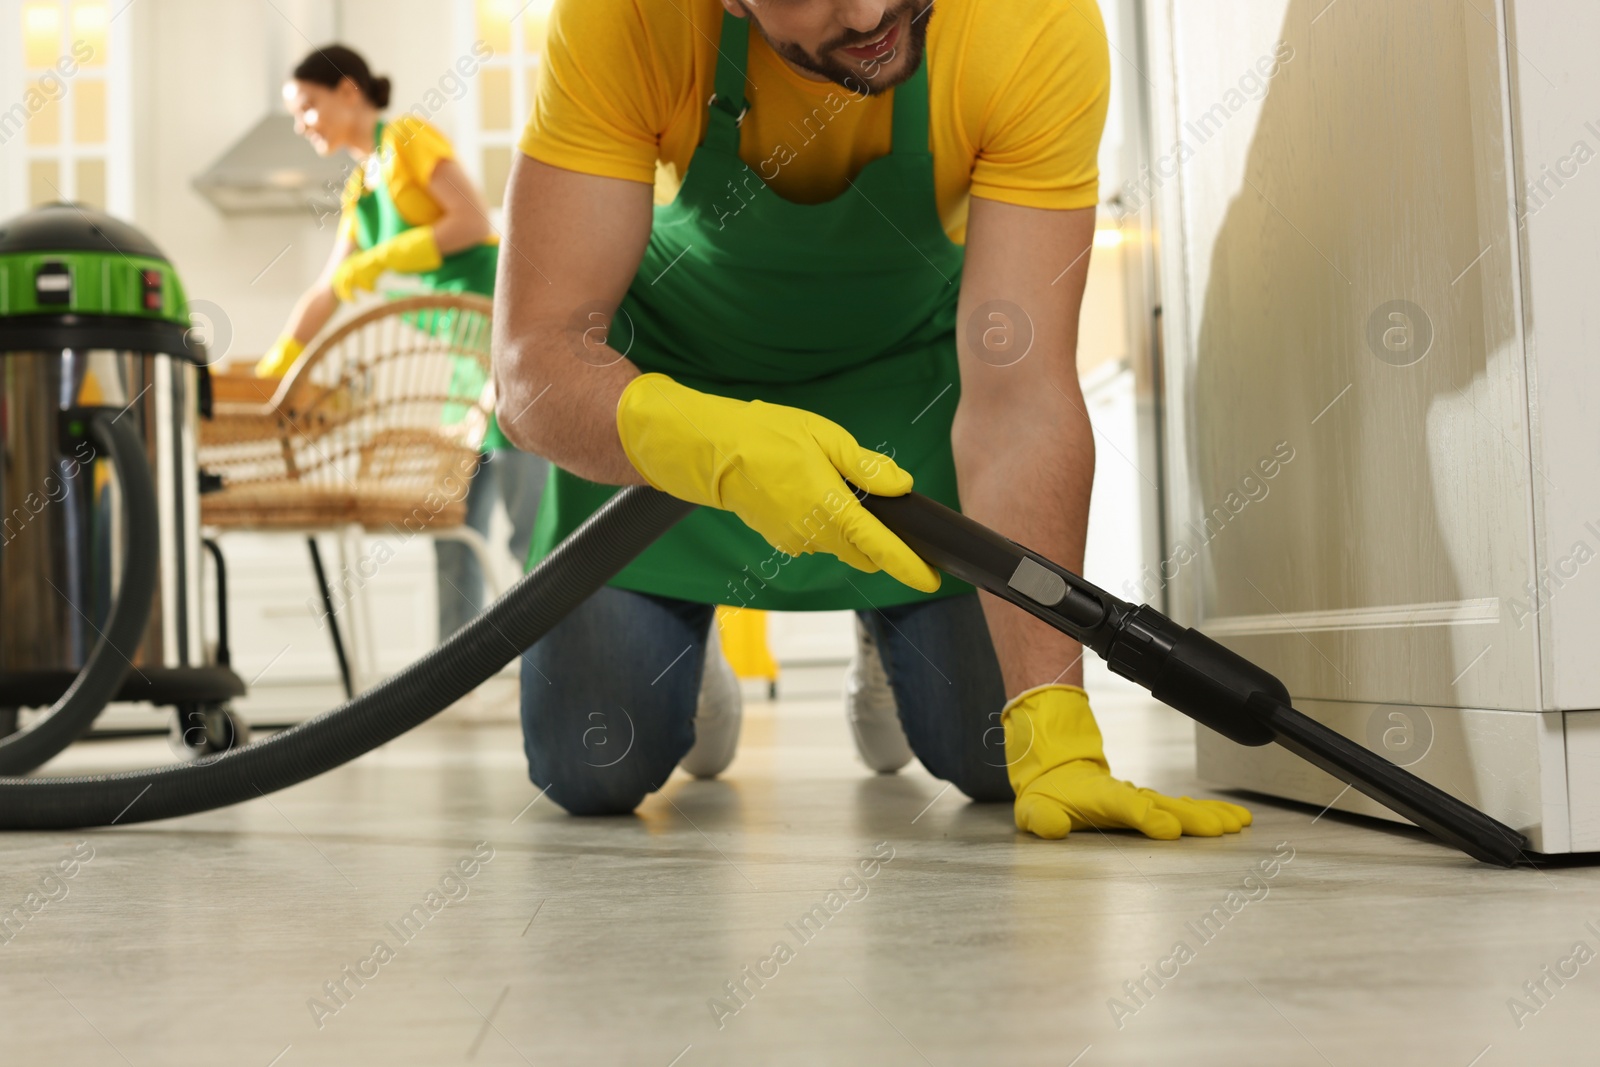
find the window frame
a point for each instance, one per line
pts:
(472, 140)
(16, 78)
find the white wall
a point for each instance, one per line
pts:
(205, 72)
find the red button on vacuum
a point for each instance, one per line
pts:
(153, 299)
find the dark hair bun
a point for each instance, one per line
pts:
(331, 64)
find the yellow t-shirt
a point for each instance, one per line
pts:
(408, 152)
(1017, 100)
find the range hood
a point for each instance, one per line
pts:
(272, 171)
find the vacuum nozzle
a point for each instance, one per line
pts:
(1183, 668)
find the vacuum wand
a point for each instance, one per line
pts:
(1182, 668)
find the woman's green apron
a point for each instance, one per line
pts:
(471, 270)
(845, 308)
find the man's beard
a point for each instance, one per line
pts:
(859, 76)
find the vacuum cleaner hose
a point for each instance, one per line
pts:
(1180, 666)
(581, 564)
(111, 659)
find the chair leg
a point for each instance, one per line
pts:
(362, 638)
(333, 619)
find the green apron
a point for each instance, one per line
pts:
(845, 308)
(470, 270)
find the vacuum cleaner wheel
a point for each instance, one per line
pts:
(201, 730)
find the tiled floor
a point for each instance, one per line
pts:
(217, 939)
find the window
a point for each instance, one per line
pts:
(502, 96)
(62, 118)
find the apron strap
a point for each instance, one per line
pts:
(728, 105)
(911, 114)
(377, 147)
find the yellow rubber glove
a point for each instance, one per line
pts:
(778, 468)
(279, 358)
(1059, 772)
(412, 252)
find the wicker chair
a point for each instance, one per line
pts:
(376, 429)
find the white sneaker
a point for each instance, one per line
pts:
(717, 716)
(870, 708)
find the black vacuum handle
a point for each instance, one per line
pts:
(977, 555)
(1182, 667)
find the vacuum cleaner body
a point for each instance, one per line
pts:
(92, 316)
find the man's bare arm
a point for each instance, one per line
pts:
(571, 247)
(1024, 449)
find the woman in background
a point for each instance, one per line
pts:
(409, 207)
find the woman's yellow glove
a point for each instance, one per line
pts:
(778, 468)
(1059, 772)
(412, 252)
(279, 358)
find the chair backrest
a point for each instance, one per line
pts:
(394, 402)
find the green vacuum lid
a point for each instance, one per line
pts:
(74, 277)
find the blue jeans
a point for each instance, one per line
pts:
(609, 695)
(517, 478)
